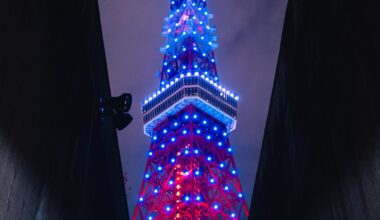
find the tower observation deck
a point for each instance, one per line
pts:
(190, 171)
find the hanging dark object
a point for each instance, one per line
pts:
(117, 108)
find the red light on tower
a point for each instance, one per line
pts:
(190, 172)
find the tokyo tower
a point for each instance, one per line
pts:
(190, 171)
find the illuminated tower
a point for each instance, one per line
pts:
(190, 172)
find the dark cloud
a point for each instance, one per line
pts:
(249, 37)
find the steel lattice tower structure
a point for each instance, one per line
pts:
(190, 172)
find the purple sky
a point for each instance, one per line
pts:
(249, 33)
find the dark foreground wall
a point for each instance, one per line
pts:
(56, 160)
(320, 157)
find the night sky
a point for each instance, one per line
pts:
(249, 33)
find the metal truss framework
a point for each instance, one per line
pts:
(190, 173)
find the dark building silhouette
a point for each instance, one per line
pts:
(57, 159)
(321, 150)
